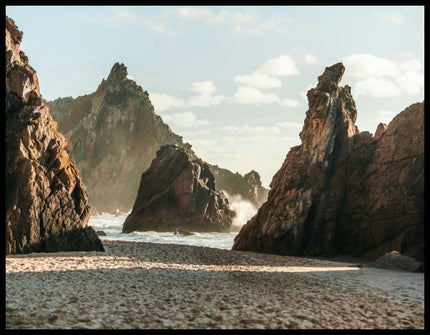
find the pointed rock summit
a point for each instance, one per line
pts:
(113, 135)
(342, 191)
(46, 202)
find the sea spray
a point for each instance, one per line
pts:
(244, 209)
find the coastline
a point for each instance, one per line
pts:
(168, 286)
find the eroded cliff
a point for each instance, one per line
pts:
(342, 191)
(46, 202)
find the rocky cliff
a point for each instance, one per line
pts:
(46, 202)
(342, 191)
(178, 192)
(113, 136)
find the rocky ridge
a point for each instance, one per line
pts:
(343, 191)
(46, 202)
(178, 192)
(113, 136)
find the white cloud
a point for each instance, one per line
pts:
(311, 59)
(258, 80)
(411, 82)
(243, 21)
(287, 124)
(252, 95)
(411, 65)
(280, 66)
(205, 97)
(366, 65)
(376, 88)
(252, 130)
(162, 102)
(289, 103)
(186, 119)
(118, 17)
(394, 18)
(385, 78)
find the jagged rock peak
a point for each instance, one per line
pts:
(117, 73)
(330, 79)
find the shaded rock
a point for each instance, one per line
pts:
(182, 232)
(342, 191)
(178, 192)
(100, 233)
(394, 260)
(46, 202)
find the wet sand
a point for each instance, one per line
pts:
(166, 286)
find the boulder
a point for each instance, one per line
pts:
(395, 261)
(178, 192)
(343, 191)
(46, 202)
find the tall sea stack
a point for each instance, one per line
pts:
(342, 191)
(46, 202)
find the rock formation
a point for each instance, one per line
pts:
(178, 192)
(342, 191)
(46, 201)
(249, 186)
(113, 136)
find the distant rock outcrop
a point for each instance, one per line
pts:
(113, 136)
(342, 191)
(46, 202)
(178, 192)
(249, 186)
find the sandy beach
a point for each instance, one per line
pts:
(166, 286)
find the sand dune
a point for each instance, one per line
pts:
(145, 285)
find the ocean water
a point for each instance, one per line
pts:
(111, 224)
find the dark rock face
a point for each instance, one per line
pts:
(178, 192)
(113, 135)
(342, 191)
(46, 202)
(248, 186)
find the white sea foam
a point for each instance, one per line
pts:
(112, 226)
(244, 209)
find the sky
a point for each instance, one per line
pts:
(232, 80)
